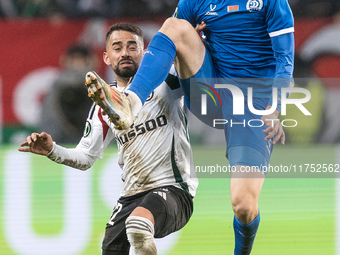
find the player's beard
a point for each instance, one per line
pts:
(126, 72)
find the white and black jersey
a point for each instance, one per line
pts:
(155, 151)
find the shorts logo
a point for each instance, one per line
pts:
(254, 5)
(162, 194)
(87, 130)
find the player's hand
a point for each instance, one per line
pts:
(36, 143)
(200, 28)
(274, 127)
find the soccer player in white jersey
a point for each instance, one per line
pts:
(154, 152)
(249, 44)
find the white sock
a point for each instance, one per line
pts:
(140, 233)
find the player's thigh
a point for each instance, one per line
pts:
(245, 186)
(200, 94)
(246, 144)
(142, 212)
(244, 194)
(190, 49)
(115, 241)
(171, 207)
(247, 151)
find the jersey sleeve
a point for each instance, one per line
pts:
(279, 18)
(97, 134)
(283, 47)
(186, 10)
(74, 157)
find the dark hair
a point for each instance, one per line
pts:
(76, 49)
(128, 27)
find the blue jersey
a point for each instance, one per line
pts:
(239, 36)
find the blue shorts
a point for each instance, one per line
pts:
(243, 133)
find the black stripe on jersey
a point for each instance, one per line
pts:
(92, 111)
(172, 81)
(175, 169)
(93, 107)
(113, 84)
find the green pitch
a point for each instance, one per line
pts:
(297, 214)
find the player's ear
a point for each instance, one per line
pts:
(106, 59)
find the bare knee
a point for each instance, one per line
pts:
(245, 210)
(190, 50)
(177, 29)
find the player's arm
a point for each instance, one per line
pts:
(90, 147)
(280, 27)
(42, 144)
(280, 23)
(283, 47)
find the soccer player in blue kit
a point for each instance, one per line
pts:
(243, 39)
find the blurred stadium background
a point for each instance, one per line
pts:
(47, 208)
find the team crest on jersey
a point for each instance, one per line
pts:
(87, 130)
(254, 5)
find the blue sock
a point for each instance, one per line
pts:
(155, 66)
(245, 235)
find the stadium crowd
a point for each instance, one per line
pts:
(307, 55)
(86, 8)
(73, 9)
